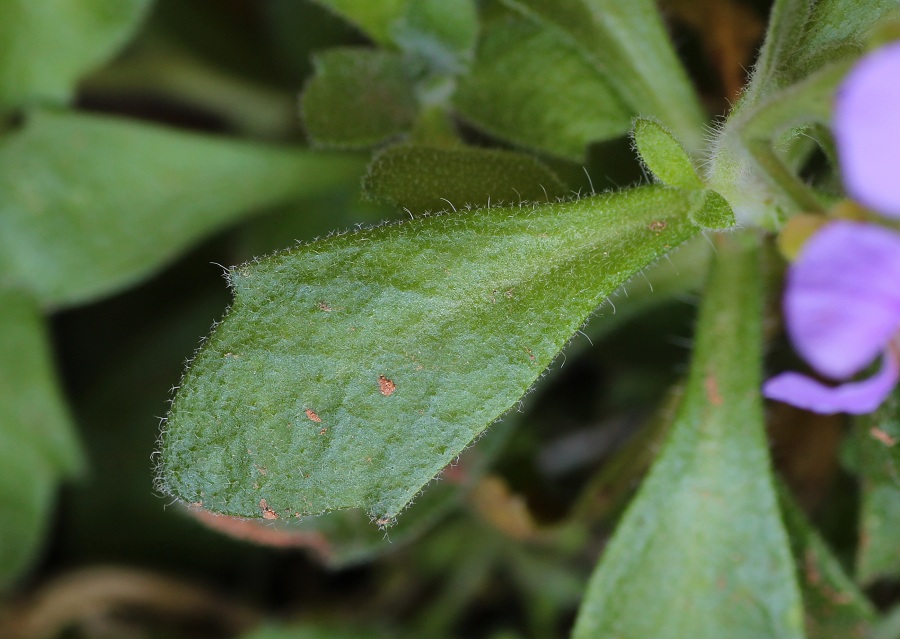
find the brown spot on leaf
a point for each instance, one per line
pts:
(386, 386)
(267, 512)
(712, 390)
(324, 306)
(657, 226)
(384, 522)
(262, 470)
(313, 415)
(323, 431)
(883, 437)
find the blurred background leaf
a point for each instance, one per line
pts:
(38, 446)
(89, 205)
(45, 47)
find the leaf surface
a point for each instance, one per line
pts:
(358, 98)
(663, 155)
(627, 43)
(835, 607)
(375, 19)
(350, 371)
(702, 552)
(46, 46)
(38, 445)
(529, 86)
(878, 437)
(443, 32)
(89, 205)
(422, 179)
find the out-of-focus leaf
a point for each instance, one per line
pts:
(422, 179)
(315, 631)
(702, 551)
(89, 205)
(358, 98)
(46, 46)
(627, 43)
(664, 156)
(834, 606)
(878, 441)
(443, 32)
(375, 18)
(350, 371)
(38, 445)
(529, 86)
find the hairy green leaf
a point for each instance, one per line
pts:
(834, 606)
(529, 86)
(37, 442)
(89, 205)
(374, 18)
(702, 552)
(664, 156)
(358, 98)
(878, 437)
(46, 46)
(628, 44)
(350, 371)
(422, 179)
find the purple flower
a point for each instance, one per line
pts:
(842, 309)
(866, 127)
(842, 297)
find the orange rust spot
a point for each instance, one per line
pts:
(267, 512)
(262, 470)
(323, 431)
(658, 225)
(882, 436)
(313, 415)
(386, 386)
(324, 306)
(712, 390)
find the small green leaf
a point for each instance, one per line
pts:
(664, 156)
(358, 98)
(715, 213)
(422, 179)
(46, 46)
(350, 371)
(529, 86)
(878, 437)
(375, 17)
(835, 608)
(702, 552)
(443, 32)
(89, 205)
(38, 444)
(627, 43)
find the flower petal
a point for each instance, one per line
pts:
(867, 130)
(853, 397)
(842, 299)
